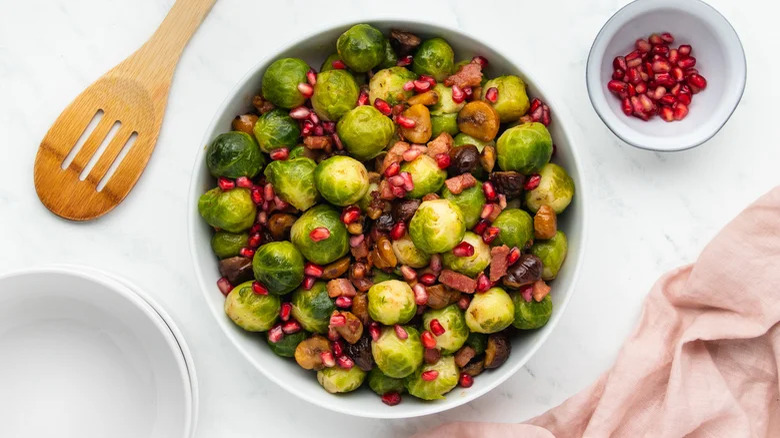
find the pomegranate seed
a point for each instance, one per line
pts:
(383, 106)
(427, 339)
(436, 263)
(643, 46)
(338, 347)
(680, 110)
(337, 320)
(468, 92)
(661, 50)
(313, 270)
(428, 79)
(618, 75)
(686, 62)
(631, 90)
(408, 183)
(396, 181)
(458, 95)
(268, 192)
(421, 86)
(291, 327)
(305, 89)
(667, 38)
(307, 128)
(318, 130)
(327, 359)
(255, 240)
(311, 77)
(345, 362)
(677, 74)
(655, 39)
(315, 119)
(465, 380)
(420, 294)
(429, 375)
(673, 56)
(436, 327)
(684, 98)
(482, 225)
(257, 195)
(244, 182)
(374, 331)
(356, 240)
(617, 87)
(224, 286)
(350, 214)
(427, 279)
(308, 283)
(408, 273)
(533, 182)
(633, 63)
(492, 94)
(411, 154)
(661, 66)
(667, 113)
(409, 86)
(275, 334)
(279, 203)
(284, 311)
(362, 98)
(300, 113)
(487, 210)
(280, 154)
(619, 63)
(667, 99)
(262, 217)
(490, 191)
(391, 398)
(406, 60)
(398, 192)
(490, 234)
(398, 231)
(513, 256)
(697, 81)
(338, 64)
(246, 252)
(463, 302)
(443, 160)
(483, 283)
(527, 292)
(633, 55)
(226, 184)
(329, 127)
(392, 169)
(481, 60)
(690, 71)
(684, 50)
(259, 289)
(333, 335)
(400, 332)
(319, 233)
(641, 88)
(463, 249)
(405, 122)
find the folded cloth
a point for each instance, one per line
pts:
(703, 361)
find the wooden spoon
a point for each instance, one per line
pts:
(125, 107)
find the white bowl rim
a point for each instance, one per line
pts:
(158, 317)
(592, 82)
(206, 289)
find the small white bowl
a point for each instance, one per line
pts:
(90, 357)
(720, 59)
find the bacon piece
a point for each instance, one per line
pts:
(469, 75)
(494, 214)
(430, 197)
(459, 183)
(341, 287)
(317, 142)
(440, 145)
(360, 252)
(458, 281)
(498, 262)
(395, 154)
(541, 289)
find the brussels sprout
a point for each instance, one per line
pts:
(285, 347)
(312, 308)
(477, 341)
(341, 180)
(391, 58)
(454, 323)
(445, 105)
(391, 302)
(512, 101)
(382, 384)
(408, 254)
(470, 202)
(280, 82)
(234, 154)
(426, 174)
(555, 189)
(552, 252)
(279, 266)
(378, 276)
(531, 314)
(388, 85)
(293, 181)
(397, 357)
(524, 148)
(365, 132)
(473, 264)
(437, 226)
(327, 64)
(361, 47)
(335, 93)
(326, 250)
(445, 381)
(490, 311)
(463, 139)
(434, 57)
(299, 151)
(517, 228)
(231, 211)
(276, 129)
(444, 123)
(250, 311)
(336, 380)
(225, 244)
(365, 201)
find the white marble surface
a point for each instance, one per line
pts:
(649, 212)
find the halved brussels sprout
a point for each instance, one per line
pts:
(388, 84)
(490, 311)
(231, 211)
(391, 302)
(473, 264)
(250, 311)
(454, 323)
(325, 251)
(361, 47)
(365, 201)
(337, 380)
(225, 244)
(531, 315)
(552, 253)
(437, 226)
(463, 139)
(278, 266)
(517, 228)
(335, 93)
(426, 174)
(524, 148)
(312, 308)
(445, 381)
(276, 129)
(512, 101)
(285, 347)
(341, 180)
(280, 82)
(470, 202)
(444, 123)
(391, 58)
(234, 154)
(382, 384)
(434, 57)
(397, 357)
(365, 132)
(445, 105)
(408, 254)
(555, 189)
(293, 181)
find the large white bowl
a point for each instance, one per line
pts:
(313, 49)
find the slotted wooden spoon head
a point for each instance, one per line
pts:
(98, 147)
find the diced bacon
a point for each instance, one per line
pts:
(469, 75)
(498, 262)
(430, 197)
(360, 252)
(494, 214)
(341, 287)
(440, 145)
(458, 184)
(386, 191)
(317, 142)
(541, 289)
(395, 154)
(458, 281)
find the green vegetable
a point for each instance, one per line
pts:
(552, 252)
(225, 244)
(512, 102)
(293, 181)
(455, 330)
(365, 201)
(365, 132)
(327, 250)
(517, 228)
(388, 84)
(477, 341)
(490, 311)
(312, 308)
(276, 129)
(280, 82)
(379, 276)
(278, 266)
(470, 201)
(471, 265)
(531, 315)
(524, 148)
(445, 105)
(463, 139)
(285, 347)
(408, 254)
(234, 154)
(335, 93)
(555, 189)
(327, 64)
(336, 380)
(426, 174)
(434, 57)
(391, 302)
(250, 311)
(444, 123)
(341, 180)
(231, 211)
(397, 357)
(445, 381)
(437, 226)
(382, 384)
(361, 47)
(391, 58)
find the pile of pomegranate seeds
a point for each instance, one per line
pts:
(656, 79)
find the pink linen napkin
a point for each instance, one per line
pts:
(703, 361)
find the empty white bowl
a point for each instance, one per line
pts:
(720, 59)
(313, 49)
(84, 356)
